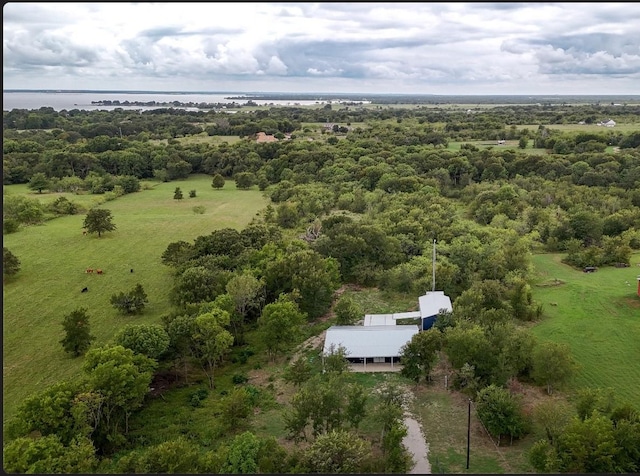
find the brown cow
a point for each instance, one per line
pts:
(98, 271)
(84, 232)
(89, 270)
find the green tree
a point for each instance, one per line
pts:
(48, 412)
(211, 341)
(10, 263)
(174, 456)
(523, 142)
(244, 180)
(247, 293)
(552, 364)
(78, 338)
(132, 302)
(47, 455)
(501, 413)
(419, 355)
(551, 417)
(217, 181)
(338, 451)
(146, 339)
(192, 193)
(177, 194)
(121, 378)
(98, 220)
(347, 311)
(242, 455)
(235, 408)
(298, 371)
(335, 361)
(38, 182)
(279, 325)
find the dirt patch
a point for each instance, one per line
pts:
(633, 302)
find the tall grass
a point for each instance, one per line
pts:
(54, 257)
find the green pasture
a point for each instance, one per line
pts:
(598, 316)
(592, 128)
(54, 257)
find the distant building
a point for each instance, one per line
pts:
(609, 123)
(262, 137)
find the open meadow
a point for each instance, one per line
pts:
(598, 316)
(54, 257)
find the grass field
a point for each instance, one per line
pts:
(620, 127)
(54, 257)
(598, 316)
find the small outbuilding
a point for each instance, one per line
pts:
(369, 344)
(431, 304)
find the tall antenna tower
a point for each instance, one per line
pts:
(433, 266)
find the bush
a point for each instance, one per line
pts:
(192, 193)
(199, 209)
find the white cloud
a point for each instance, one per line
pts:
(452, 48)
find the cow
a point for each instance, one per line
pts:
(98, 271)
(84, 290)
(84, 232)
(89, 270)
(131, 270)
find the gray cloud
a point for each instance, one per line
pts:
(466, 47)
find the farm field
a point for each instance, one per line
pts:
(54, 257)
(598, 316)
(620, 127)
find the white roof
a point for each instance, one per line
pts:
(432, 302)
(369, 341)
(379, 320)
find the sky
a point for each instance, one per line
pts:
(379, 47)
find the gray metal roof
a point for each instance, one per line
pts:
(369, 341)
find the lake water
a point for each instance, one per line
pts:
(82, 100)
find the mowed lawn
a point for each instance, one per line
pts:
(598, 315)
(54, 257)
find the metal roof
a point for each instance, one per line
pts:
(379, 320)
(432, 302)
(369, 341)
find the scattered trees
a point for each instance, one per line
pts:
(38, 182)
(279, 325)
(150, 340)
(553, 365)
(177, 194)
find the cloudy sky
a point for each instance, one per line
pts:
(379, 47)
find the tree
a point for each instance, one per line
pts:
(500, 413)
(47, 455)
(551, 417)
(78, 336)
(38, 182)
(336, 452)
(217, 181)
(298, 372)
(177, 194)
(98, 220)
(10, 263)
(121, 378)
(335, 361)
(279, 325)
(247, 293)
(146, 339)
(192, 193)
(347, 311)
(420, 353)
(174, 456)
(244, 180)
(552, 365)
(523, 142)
(132, 302)
(211, 341)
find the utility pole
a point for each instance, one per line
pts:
(433, 265)
(468, 432)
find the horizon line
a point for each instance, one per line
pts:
(143, 91)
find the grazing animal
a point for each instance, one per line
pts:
(84, 290)
(131, 270)
(89, 270)
(98, 271)
(84, 232)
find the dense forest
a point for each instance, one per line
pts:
(357, 197)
